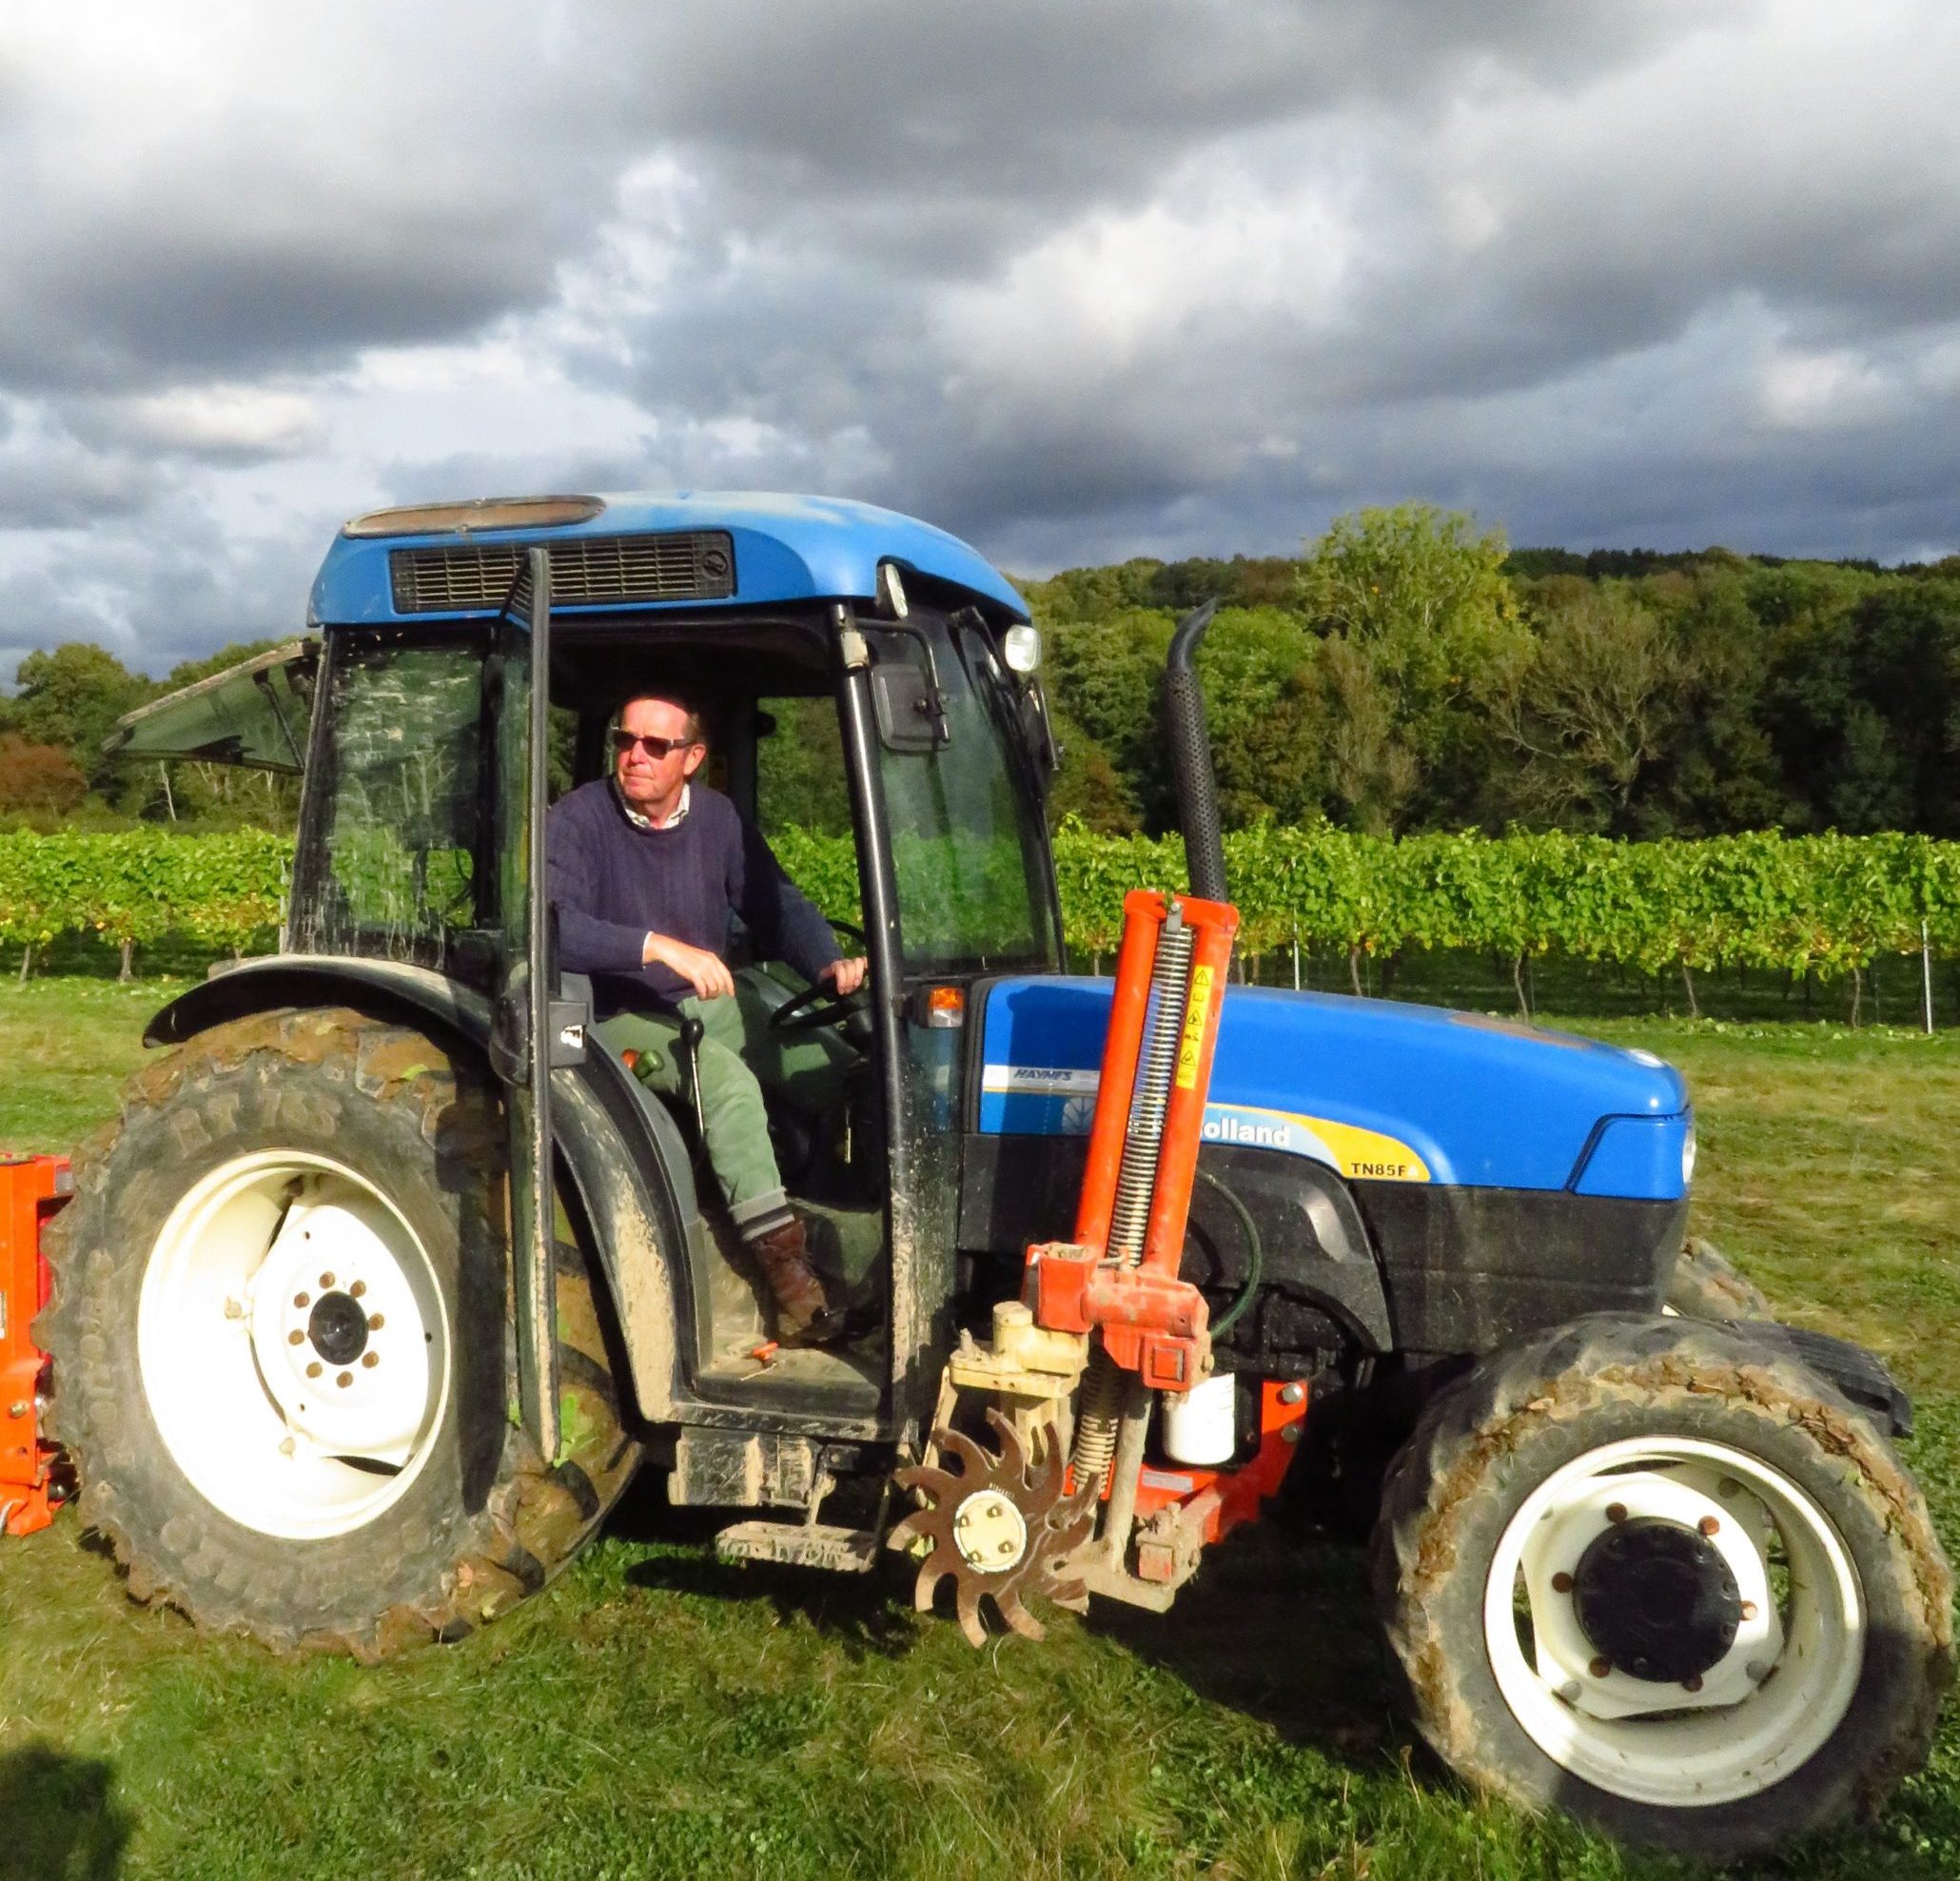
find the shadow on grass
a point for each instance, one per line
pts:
(59, 1817)
(864, 1613)
(1279, 1627)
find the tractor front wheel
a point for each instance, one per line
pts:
(1706, 1284)
(1667, 1579)
(282, 1348)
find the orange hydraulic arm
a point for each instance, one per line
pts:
(1120, 1273)
(31, 1188)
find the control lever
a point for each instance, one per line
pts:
(692, 1033)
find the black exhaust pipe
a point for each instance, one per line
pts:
(1190, 755)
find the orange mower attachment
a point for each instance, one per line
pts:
(31, 1188)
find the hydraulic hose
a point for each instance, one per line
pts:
(1255, 1255)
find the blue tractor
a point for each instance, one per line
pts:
(391, 1274)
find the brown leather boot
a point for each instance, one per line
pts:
(803, 1315)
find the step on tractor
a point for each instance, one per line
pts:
(391, 1274)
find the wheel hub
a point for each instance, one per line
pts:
(1657, 1599)
(293, 1345)
(337, 1328)
(990, 1533)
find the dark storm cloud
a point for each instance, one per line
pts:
(1076, 282)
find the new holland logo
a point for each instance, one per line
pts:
(1275, 1135)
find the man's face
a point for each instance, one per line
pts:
(652, 785)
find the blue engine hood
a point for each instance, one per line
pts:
(1383, 1091)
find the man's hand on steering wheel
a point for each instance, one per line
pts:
(829, 1000)
(846, 976)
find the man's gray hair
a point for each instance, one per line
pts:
(695, 729)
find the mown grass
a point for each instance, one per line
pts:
(657, 1713)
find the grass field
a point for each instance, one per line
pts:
(657, 1713)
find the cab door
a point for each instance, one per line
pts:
(521, 1043)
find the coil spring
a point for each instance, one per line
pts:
(1136, 1178)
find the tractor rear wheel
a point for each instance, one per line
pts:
(1708, 1285)
(1666, 1579)
(283, 1356)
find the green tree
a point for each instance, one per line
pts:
(1423, 632)
(71, 697)
(1593, 708)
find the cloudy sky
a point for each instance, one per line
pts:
(1076, 279)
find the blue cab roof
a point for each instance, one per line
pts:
(787, 548)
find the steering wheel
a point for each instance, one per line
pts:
(814, 1008)
(816, 1005)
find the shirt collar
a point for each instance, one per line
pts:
(640, 822)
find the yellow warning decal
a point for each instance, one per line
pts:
(1197, 1011)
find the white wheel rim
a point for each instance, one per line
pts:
(303, 1436)
(1764, 1708)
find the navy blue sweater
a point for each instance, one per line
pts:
(614, 883)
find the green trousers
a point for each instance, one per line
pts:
(739, 1049)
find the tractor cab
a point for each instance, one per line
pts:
(872, 705)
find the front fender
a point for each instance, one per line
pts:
(621, 1174)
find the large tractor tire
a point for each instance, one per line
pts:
(1661, 1576)
(1708, 1285)
(283, 1354)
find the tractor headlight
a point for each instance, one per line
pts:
(1021, 648)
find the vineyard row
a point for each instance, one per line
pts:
(1828, 904)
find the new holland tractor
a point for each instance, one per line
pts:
(391, 1274)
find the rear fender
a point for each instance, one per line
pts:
(631, 1183)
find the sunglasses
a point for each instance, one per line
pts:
(654, 748)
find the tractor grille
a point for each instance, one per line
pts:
(695, 566)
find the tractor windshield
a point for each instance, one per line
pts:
(968, 844)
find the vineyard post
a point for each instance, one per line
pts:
(1926, 972)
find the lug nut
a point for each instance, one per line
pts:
(296, 1337)
(1570, 1690)
(370, 1359)
(1756, 1672)
(375, 1322)
(303, 1300)
(1708, 1525)
(1600, 1667)
(325, 1281)
(313, 1370)
(1749, 1610)
(359, 1287)
(1616, 1513)
(344, 1380)
(1691, 1683)
(1562, 1582)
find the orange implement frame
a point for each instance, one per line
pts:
(31, 1188)
(1192, 1507)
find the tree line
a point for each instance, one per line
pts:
(1407, 673)
(1410, 673)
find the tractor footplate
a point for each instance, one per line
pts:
(814, 1545)
(1001, 1528)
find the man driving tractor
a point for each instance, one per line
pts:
(646, 867)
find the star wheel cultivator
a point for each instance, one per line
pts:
(1104, 1327)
